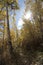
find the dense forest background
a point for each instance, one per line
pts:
(21, 46)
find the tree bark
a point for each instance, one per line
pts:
(9, 43)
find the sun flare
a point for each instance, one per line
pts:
(28, 15)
